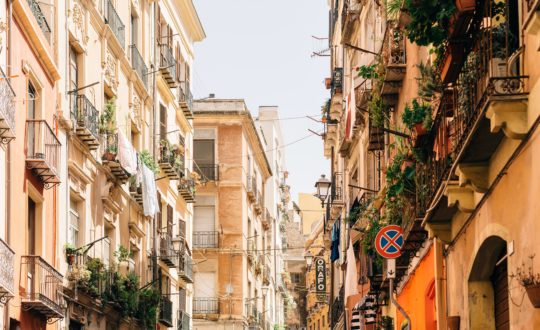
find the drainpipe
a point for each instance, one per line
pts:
(154, 119)
(8, 149)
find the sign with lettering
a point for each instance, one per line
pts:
(320, 278)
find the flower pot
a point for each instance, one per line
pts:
(465, 5)
(328, 83)
(70, 259)
(123, 268)
(453, 322)
(107, 155)
(407, 163)
(419, 129)
(404, 18)
(533, 291)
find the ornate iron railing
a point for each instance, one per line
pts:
(208, 172)
(42, 144)
(7, 256)
(167, 253)
(137, 62)
(7, 109)
(167, 61)
(205, 239)
(207, 305)
(337, 308)
(41, 284)
(115, 23)
(166, 311)
(185, 268)
(85, 114)
(40, 17)
(184, 94)
(337, 187)
(183, 320)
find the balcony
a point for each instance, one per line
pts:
(487, 104)
(208, 172)
(41, 14)
(137, 62)
(135, 190)
(252, 251)
(266, 275)
(337, 81)
(170, 163)
(185, 99)
(167, 253)
(183, 321)
(7, 256)
(115, 23)
(7, 109)
(267, 220)
(85, 117)
(375, 137)
(166, 311)
(185, 268)
(251, 187)
(205, 239)
(167, 65)
(42, 152)
(205, 306)
(394, 59)
(252, 314)
(109, 157)
(259, 203)
(186, 188)
(350, 19)
(337, 309)
(40, 286)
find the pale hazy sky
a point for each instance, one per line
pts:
(260, 50)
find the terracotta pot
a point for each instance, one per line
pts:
(533, 292)
(404, 18)
(70, 258)
(453, 322)
(328, 83)
(419, 129)
(465, 5)
(107, 155)
(407, 163)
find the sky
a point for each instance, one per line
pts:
(260, 50)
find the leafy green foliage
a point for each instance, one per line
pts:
(122, 254)
(107, 119)
(149, 161)
(149, 300)
(429, 82)
(430, 21)
(368, 71)
(418, 113)
(377, 111)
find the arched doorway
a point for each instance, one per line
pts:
(488, 287)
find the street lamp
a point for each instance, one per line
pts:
(323, 188)
(309, 259)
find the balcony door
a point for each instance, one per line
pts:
(204, 226)
(205, 298)
(204, 156)
(31, 115)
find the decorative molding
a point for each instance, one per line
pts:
(510, 115)
(475, 175)
(110, 70)
(462, 197)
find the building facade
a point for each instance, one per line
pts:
(101, 158)
(429, 132)
(232, 226)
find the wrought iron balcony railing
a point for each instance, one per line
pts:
(183, 320)
(337, 308)
(167, 254)
(7, 256)
(115, 23)
(137, 62)
(166, 311)
(167, 65)
(185, 99)
(186, 188)
(205, 239)
(251, 187)
(252, 314)
(208, 172)
(85, 117)
(337, 188)
(7, 109)
(170, 163)
(43, 152)
(41, 284)
(41, 18)
(185, 268)
(206, 305)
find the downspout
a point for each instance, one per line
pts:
(154, 100)
(8, 149)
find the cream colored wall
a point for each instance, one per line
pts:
(311, 209)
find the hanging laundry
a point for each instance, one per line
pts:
(126, 154)
(334, 253)
(351, 276)
(150, 200)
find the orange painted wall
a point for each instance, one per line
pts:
(418, 295)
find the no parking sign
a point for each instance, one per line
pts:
(389, 241)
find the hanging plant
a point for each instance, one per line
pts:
(430, 21)
(417, 118)
(530, 281)
(429, 82)
(149, 161)
(107, 119)
(377, 111)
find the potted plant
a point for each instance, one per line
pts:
(71, 253)
(430, 85)
(417, 118)
(531, 282)
(107, 119)
(377, 111)
(328, 83)
(149, 161)
(123, 255)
